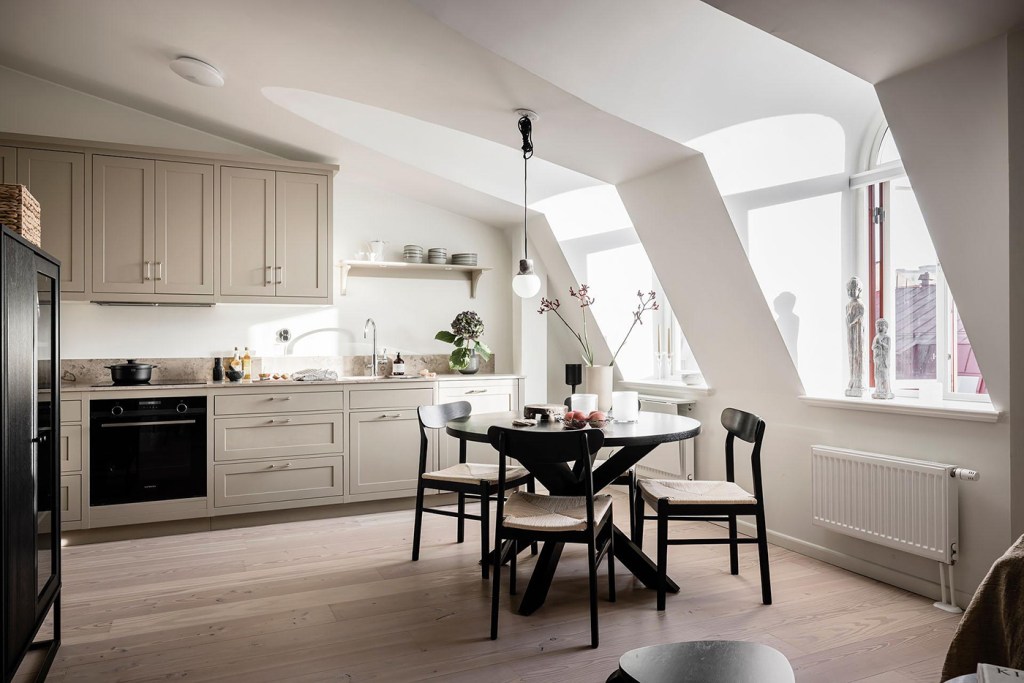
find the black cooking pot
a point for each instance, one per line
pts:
(131, 372)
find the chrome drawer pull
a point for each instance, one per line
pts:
(279, 467)
(279, 398)
(385, 416)
(283, 421)
(477, 391)
(155, 423)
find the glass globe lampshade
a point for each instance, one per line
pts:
(526, 284)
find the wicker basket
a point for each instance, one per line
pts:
(19, 210)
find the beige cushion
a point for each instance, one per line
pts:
(473, 472)
(538, 512)
(681, 491)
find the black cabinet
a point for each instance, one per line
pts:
(30, 471)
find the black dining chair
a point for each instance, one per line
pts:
(627, 478)
(535, 517)
(467, 479)
(710, 501)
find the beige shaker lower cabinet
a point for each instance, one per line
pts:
(72, 457)
(485, 396)
(249, 483)
(384, 440)
(277, 436)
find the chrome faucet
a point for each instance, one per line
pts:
(375, 360)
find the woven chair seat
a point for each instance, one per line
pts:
(684, 492)
(473, 472)
(538, 512)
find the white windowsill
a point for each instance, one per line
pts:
(954, 410)
(673, 386)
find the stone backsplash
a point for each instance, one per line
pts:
(94, 371)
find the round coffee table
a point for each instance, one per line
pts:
(704, 661)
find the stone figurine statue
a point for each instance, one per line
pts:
(880, 354)
(855, 337)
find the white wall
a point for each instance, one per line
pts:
(741, 352)
(408, 312)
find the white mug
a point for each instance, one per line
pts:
(625, 406)
(585, 403)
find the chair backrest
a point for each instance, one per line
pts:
(750, 428)
(436, 417)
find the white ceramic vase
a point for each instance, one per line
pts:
(597, 379)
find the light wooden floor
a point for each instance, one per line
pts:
(339, 600)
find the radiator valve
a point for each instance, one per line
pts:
(965, 474)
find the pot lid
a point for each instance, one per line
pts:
(131, 365)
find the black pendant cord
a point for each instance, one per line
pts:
(526, 129)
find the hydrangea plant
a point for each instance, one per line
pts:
(467, 328)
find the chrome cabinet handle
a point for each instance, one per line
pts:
(268, 280)
(385, 416)
(147, 273)
(280, 274)
(154, 423)
(279, 467)
(279, 398)
(283, 421)
(477, 391)
(159, 270)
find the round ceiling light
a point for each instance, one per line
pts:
(198, 72)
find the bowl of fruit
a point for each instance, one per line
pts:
(576, 419)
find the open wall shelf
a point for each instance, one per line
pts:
(402, 268)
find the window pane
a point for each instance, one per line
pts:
(773, 151)
(795, 252)
(914, 268)
(968, 374)
(615, 275)
(591, 211)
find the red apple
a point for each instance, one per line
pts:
(575, 415)
(596, 416)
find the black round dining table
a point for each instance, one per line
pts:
(634, 440)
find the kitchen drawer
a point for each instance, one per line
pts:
(71, 498)
(278, 402)
(491, 397)
(71, 448)
(70, 411)
(247, 483)
(274, 436)
(390, 398)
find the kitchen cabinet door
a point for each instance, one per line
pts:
(123, 250)
(247, 232)
(302, 257)
(57, 180)
(8, 165)
(183, 238)
(486, 397)
(384, 452)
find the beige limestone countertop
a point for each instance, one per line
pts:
(78, 387)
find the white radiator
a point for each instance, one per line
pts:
(906, 504)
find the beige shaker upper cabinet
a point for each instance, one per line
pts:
(8, 165)
(247, 232)
(57, 180)
(123, 256)
(303, 254)
(183, 249)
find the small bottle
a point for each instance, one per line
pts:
(398, 367)
(218, 370)
(247, 366)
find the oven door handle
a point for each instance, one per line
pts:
(154, 423)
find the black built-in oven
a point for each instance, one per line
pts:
(146, 449)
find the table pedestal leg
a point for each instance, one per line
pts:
(543, 574)
(641, 566)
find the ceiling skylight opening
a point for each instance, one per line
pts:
(580, 213)
(773, 151)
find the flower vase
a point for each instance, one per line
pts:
(598, 380)
(474, 364)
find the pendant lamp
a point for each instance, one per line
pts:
(526, 284)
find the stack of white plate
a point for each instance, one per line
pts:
(413, 253)
(437, 255)
(464, 259)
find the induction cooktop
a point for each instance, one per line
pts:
(152, 383)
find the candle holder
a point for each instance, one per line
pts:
(573, 375)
